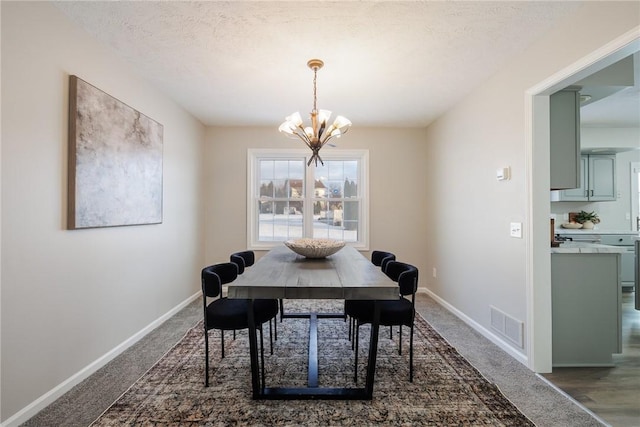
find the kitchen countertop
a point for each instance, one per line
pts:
(560, 230)
(586, 248)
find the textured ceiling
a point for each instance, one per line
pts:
(387, 63)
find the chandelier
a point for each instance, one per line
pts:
(318, 134)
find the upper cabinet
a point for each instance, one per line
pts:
(597, 180)
(564, 112)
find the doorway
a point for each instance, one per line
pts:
(538, 260)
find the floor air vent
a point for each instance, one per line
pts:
(507, 326)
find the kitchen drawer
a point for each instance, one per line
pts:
(618, 239)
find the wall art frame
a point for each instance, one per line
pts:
(115, 161)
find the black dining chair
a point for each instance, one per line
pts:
(400, 312)
(243, 260)
(230, 314)
(379, 259)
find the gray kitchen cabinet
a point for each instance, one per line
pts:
(627, 261)
(564, 120)
(597, 180)
(586, 313)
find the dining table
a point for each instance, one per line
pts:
(283, 274)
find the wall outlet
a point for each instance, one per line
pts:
(565, 216)
(435, 272)
(516, 229)
(627, 216)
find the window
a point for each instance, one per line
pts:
(288, 199)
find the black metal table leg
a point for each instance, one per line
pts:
(312, 391)
(373, 350)
(312, 376)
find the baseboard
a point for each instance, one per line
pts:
(479, 328)
(48, 398)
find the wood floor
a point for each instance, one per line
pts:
(611, 393)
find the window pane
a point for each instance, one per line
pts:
(336, 220)
(266, 188)
(266, 169)
(284, 223)
(335, 169)
(296, 188)
(296, 169)
(350, 188)
(320, 190)
(280, 189)
(351, 219)
(351, 171)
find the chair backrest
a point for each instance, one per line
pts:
(382, 258)
(214, 276)
(243, 260)
(405, 274)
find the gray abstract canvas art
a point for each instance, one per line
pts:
(115, 161)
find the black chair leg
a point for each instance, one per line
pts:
(222, 342)
(206, 358)
(270, 338)
(354, 325)
(391, 332)
(356, 339)
(281, 309)
(411, 355)
(400, 341)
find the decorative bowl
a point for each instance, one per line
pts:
(571, 225)
(315, 248)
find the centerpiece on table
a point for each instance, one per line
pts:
(315, 248)
(587, 219)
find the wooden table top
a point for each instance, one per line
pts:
(283, 274)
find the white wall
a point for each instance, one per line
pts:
(71, 297)
(397, 178)
(478, 264)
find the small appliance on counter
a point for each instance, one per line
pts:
(554, 242)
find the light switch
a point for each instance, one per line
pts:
(502, 174)
(516, 229)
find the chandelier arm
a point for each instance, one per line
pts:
(305, 141)
(328, 134)
(300, 133)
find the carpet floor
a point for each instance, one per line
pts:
(446, 389)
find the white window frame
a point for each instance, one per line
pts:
(255, 155)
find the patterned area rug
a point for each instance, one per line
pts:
(446, 389)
